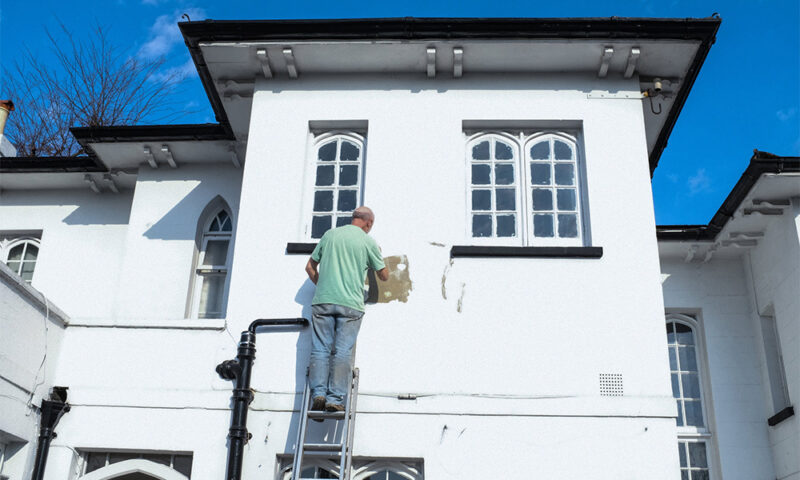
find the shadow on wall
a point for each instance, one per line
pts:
(180, 222)
(90, 208)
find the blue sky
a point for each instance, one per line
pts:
(747, 94)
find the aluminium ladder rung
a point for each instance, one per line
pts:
(322, 447)
(326, 415)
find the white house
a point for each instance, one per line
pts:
(522, 331)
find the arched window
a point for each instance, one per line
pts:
(494, 196)
(338, 172)
(385, 469)
(20, 256)
(213, 260)
(135, 466)
(686, 369)
(524, 188)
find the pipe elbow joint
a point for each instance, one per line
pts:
(229, 369)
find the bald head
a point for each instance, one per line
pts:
(363, 218)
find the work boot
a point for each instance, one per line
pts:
(318, 404)
(334, 407)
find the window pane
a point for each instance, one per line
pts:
(684, 334)
(567, 225)
(505, 199)
(565, 174)
(506, 226)
(543, 225)
(183, 464)
(676, 392)
(27, 271)
(673, 359)
(682, 453)
(694, 413)
(685, 475)
(504, 174)
(120, 457)
(503, 151)
(541, 151)
(327, 152)
(691, 385)
(95, 461)
(481, 199)
(565, 199)
(542, 199)
(671, 333)
(480, 174)
(679, 420)
(216, 252)
(540, 173)
(320, 225)
(349, 151)
(160, 458)
(697, 455)
(687, 358)
(347, 200)
(348, 175)
(324, 175)
(481, 151)
(700, 475)
(481, 225)
(16, 252)
(215, 226)
(211, 296)
(563, 152)
(226, 225)
(343, 221)
(14, 266)
(31, 251)
(323, 201)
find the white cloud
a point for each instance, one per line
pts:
(699, 182)
(786, 114)
(178, 73)
(164, 33)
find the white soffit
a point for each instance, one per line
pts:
(132, 154)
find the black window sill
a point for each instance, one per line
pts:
(780, 416)
(534, 252)
(300, 248)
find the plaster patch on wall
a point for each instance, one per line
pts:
(397, 287)
(461, 298)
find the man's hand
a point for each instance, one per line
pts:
(383, 273)
(313, 273)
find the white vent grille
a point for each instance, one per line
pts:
(611, 384)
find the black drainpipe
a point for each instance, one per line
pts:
(239, 370)
(51, 412)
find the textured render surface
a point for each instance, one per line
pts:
(774, 266)
(30, 344)
(717, 292)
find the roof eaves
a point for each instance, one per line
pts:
(760, 163)
(89, 163)
(147, 133)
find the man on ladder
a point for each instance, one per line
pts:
(338, 267)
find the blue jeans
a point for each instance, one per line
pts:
(335, 328)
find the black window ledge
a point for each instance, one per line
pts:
(300, 248)
(534, 252)
(780, 416)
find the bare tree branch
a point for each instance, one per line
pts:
(91, 83)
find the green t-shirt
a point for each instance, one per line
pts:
(344, 255)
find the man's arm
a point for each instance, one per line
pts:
(383, 273)
(313, 273)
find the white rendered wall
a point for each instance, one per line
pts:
(718, 293)
(31, 334)
(532, 335)
(774, 266)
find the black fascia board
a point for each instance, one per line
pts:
(146, 133)
(532, 252)
(51, 164)
(703, 30)
(760, 163)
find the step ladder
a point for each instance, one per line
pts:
(342, 450)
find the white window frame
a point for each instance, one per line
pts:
(200, 271)
(773, 363)
(317, 141)
(10, 241)
(693, 434)
(521, 141)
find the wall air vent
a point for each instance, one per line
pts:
(611, 384)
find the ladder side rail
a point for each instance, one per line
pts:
(351, 423)
(301, 433)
